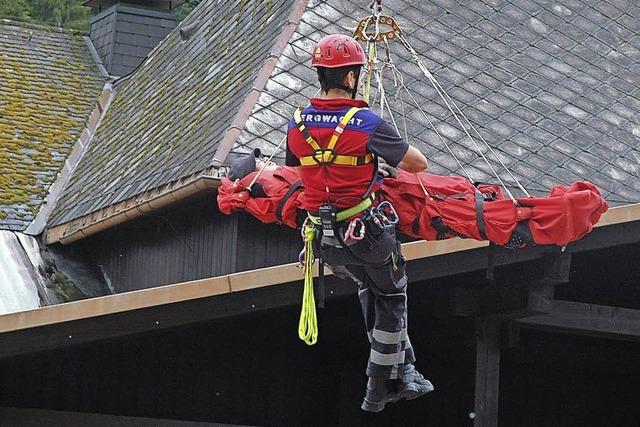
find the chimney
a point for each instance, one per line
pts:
(124, 31)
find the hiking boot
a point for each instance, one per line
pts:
(413, 384)
(380, 391)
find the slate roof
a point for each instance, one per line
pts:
(49, 84)
(168, 118)
(554, 86)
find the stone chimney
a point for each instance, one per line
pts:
(124, 31)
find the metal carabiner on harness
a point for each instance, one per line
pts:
(386, 214)
(355, 230)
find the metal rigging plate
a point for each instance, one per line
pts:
(364, 25)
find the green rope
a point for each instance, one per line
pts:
(308, 325)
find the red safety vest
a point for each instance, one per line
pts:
(330, 139)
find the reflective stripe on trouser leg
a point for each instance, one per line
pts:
(385, 311)
(383, 298)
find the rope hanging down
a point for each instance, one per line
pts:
(394, 32)
(308, 324)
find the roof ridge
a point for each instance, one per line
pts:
(13, 22)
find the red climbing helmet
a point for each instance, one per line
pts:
(337, 50)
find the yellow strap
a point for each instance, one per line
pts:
(325, 157)
(308, 324)
(340, 128)
(347, 213)
(372, 56)
(297, 116)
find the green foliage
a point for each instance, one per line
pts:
(64, 13)
(14, 9)
(184, 9)
(59, 13)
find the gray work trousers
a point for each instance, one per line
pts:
(377, 266)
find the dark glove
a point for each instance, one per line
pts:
(387, 171)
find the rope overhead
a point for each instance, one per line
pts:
(380, 29)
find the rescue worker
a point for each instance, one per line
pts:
(335, 143)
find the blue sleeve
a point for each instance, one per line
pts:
(386, 143)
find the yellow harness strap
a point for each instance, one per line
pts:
(327, 155)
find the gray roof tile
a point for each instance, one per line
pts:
(173, 111)
(553, 86)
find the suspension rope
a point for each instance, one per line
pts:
(426, 117)
(517, 182)
(450, 105)
(388, 63)
(439, 90)
(266, 163)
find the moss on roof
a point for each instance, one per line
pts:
(49, 85)
(169, 116)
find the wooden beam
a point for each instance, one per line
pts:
(487, 374)
(557, 267)
(587, 319)
(438, 259)
(35, 417)
(157, 317)
(504, 302)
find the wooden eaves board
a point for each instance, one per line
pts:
(231, 283)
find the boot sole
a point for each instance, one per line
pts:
(376, 407)
(414, 391)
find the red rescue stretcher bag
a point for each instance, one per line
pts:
(438, 207)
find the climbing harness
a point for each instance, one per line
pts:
(323, 156)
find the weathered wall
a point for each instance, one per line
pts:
(187, 242)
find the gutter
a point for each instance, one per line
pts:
(134, 207)
(237, 282)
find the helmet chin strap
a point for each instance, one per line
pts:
(354, 90)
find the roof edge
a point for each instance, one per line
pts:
(55, 190)
(134, 207)
(243, 114)
(40, 27)
(236, 282)
(96, 57)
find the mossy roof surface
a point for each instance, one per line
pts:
(168, 118)
(49, 84)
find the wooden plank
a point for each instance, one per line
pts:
(487, 374)
(37, 417)
(504, 302)
(587, 319)
(431, 265)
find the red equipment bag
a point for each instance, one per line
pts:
(442, 207)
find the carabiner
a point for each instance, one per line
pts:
(386, 210)
(355, 230)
